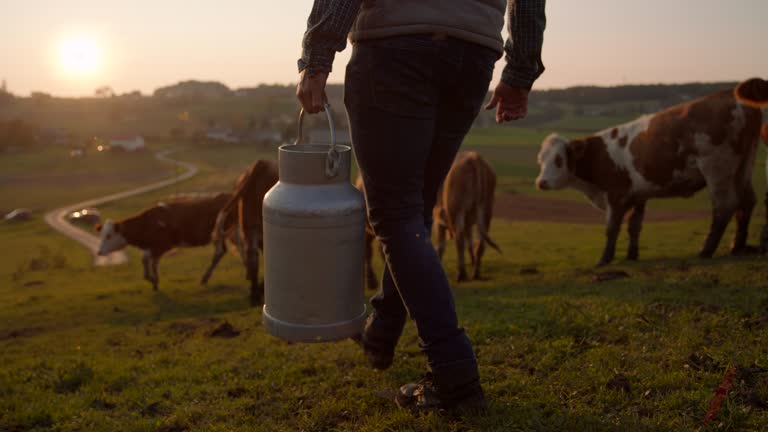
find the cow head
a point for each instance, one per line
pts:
(111, 238)
(553, 163)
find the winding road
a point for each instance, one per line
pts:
(57, 218)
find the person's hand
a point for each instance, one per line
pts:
(311, 91)
(511, 103)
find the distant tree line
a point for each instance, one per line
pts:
(593, 95)
(188, 110)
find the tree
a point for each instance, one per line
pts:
(104, 92)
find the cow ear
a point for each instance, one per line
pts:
(98, 228)
(576, 149)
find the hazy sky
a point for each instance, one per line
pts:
(143, 44)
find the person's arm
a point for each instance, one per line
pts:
(527, 21)
(327, 29)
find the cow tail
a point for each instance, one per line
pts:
(487, 185)
(753, 92)
(219, 230)
(764, 133)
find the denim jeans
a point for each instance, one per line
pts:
(410, 101)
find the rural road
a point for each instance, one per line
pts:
(57, 218)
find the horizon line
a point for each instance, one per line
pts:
(265, 84)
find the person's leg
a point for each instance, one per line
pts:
(394, 92)
(462, 88)
(390, 102)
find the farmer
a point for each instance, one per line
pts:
(418, 76)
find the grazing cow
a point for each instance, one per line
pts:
(158, 229)
(371, 280)
(710, 141)
(466, 201)
(247, 202)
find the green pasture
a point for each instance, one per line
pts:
(48, 178)
(93, 348)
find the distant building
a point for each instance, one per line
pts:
(127, 143)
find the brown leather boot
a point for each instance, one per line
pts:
(453, 389)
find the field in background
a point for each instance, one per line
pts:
(95, 349)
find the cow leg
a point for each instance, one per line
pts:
(635, 226)
(470, 238)
(146, 262)
(252, 268)
(478, 253)
(219, 250)
(743, 215)
(720, 218)
(615, 216)
(724, 203)
(460, 247)
(441, 242)
(155, 275)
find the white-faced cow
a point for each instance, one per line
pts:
(466, 202)
(158, 229)
(710, 141)
(246, 203)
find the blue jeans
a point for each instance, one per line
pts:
(410, 101)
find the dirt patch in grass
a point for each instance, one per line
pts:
(520, 207)
(21, 333)
(224, 330)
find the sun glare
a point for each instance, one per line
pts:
(78, 56)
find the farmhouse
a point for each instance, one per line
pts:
(127, 143)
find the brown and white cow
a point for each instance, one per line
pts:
(465, 202)
(371, 280)
(710, 141)
(165, 226)
(246, 202)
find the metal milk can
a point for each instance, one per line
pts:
(314, 227)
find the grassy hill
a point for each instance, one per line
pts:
(92, 348)
(193, 106)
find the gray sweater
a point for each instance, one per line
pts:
(478, 21)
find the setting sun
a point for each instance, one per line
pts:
(79, 56)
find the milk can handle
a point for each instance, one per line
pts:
(332, 159)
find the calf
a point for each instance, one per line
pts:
(466, 201)
(158, 229)
(710, 141)
(246, 204)
(371, 280)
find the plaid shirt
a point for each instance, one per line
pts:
(330, 22)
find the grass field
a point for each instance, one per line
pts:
(94, 349)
